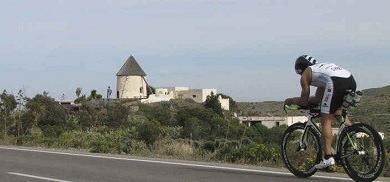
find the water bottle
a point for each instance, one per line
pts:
(349, 100)
(358, 97)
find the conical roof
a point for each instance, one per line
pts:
(131, 68)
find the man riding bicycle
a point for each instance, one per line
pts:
(333, 83)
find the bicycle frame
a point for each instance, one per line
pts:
(311, 124)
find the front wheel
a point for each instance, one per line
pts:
(361, 152)
(300, 156)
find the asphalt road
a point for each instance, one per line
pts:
(29, 164)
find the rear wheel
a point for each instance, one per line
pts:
(301, 157)
(361, 152)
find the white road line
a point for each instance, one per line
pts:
(37, 177)
(170, 163)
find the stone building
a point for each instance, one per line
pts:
(131, 82)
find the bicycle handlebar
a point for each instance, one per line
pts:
(311, 108)
(290, 107)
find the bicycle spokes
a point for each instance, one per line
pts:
(360, 152)
(302, 154)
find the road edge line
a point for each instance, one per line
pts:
(37, 177)
(169, 163)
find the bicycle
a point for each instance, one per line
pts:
(359, 147)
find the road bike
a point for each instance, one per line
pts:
(359, 147)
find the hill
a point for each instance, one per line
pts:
(375, 109)
(377, 91)
(270, 108)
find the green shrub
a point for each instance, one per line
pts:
(101, 144)
(171, 132)
(134, 147)
(209, 146)
(76, 139)
(149, 132)
(180, 149)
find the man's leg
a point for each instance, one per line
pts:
(327, 137)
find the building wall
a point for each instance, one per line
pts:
(157, 98)
(171, 90)
(162, 91)
(194, 94)
(225, 103)
(198, 95)
(131, 87)
(271, 122)
(295, 119)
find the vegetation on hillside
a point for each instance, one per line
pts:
(178, 129)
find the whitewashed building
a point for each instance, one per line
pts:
(272, 121)
(198, 95)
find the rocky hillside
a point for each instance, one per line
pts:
(375, 109)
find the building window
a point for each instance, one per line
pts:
(141, 90)
(278, 124)
(193, 96)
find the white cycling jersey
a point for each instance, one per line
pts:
(322, 74)
(325, 75)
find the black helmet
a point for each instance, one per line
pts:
(303, 62)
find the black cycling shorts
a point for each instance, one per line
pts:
(334, 93)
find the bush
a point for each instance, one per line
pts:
(209, 146)
(117, 115)
(149, 132)
(76, 139)
(180, 149)
(171, 132)
(135, 147)
(100, 144)
(254, 153)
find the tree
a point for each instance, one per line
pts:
(213, 103)
(45, 93)
(78, 92)
(81, 99)
(7, 105)
(232, 103)
(94, 96)
(21, 101)
(47, 114)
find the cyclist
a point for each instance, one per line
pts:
(332, 82)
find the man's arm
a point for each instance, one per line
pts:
(305, 84)
(318, 97)
(305, 94)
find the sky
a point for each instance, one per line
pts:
(244, 48)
